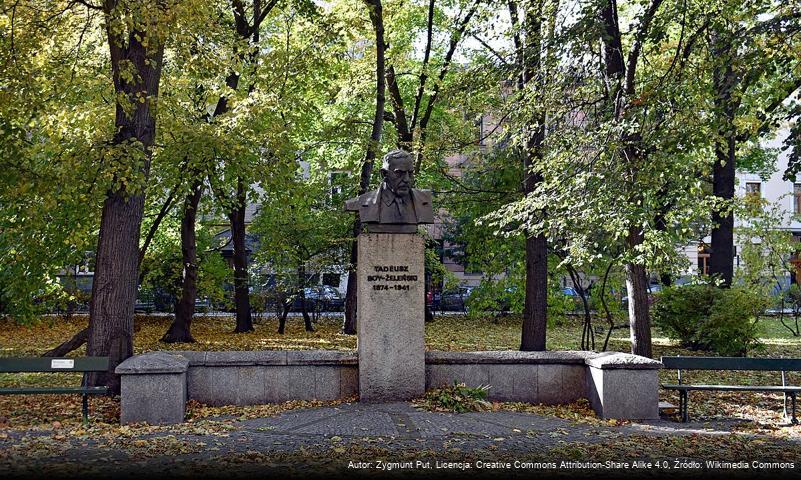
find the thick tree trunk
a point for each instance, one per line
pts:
(639, 318)
(536, 303)
(180, 330)
(721, 259)
(117, 257)
(724, 79)
(529, 56)
(114, 287)
(244, 321)
(377, 19)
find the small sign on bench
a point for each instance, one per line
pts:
(62, 363)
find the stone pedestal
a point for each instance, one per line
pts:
(390, 317)
(624, 386)
(153, 388)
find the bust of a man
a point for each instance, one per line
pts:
(395, 207)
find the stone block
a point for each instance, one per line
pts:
(526, 383)
(503, 357)
(326, 382)
(390, 310)
(151, 363)
(224, 382)
(624, 386)
(231, 358)
(320, 357)
(153, 388)
(301, 384)
(620, 360)
(574, 384)
(276, 384)
(502, 382)
(271, 357)
(251, 385)
(195, 358)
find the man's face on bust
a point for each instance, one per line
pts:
(399, 174)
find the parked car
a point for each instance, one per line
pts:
(322, 298)
(454, 301)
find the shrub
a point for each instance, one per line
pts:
(458, 398)
(705, 317)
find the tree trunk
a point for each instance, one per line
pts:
(721, 259)
(244, 322)
(377, 19)
(529, 55)
(180, 330)
(349, 326)
(637, 287)
(302, 292)
(116, 266)
(114, 286)
(724, 79)
(72, 344)
(536, 304)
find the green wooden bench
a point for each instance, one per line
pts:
(56, 365)
(782, 365)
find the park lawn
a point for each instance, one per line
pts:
(446, 332)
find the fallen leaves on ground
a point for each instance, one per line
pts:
(197, 410)
(446, 332)
(579, 411)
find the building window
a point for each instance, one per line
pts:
(797, 198)
(753, 188)
(703, 259)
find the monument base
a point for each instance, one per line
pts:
(390, 317)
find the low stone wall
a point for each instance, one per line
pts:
(532, 377)
(618, 385)
(252, 378)
(156, 385)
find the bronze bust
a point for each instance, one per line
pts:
(395, 207)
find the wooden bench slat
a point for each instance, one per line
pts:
(778, 388)
(54, 390)
(732, 363)
(48, 364)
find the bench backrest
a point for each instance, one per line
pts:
(48, 364)
(732, 363)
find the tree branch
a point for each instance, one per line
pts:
(165, 209)
(764, 116)
(267, 9)
(636, 48)
(404, 134)
(490, 49)
(424, 69)
(88, 5)
(454, 42)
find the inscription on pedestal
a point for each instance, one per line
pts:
(390, 317)
(391, 281)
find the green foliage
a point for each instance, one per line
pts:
(162, 269)
(457, 398)
(765, 251)
(705, 317)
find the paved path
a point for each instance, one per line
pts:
(359, 440)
